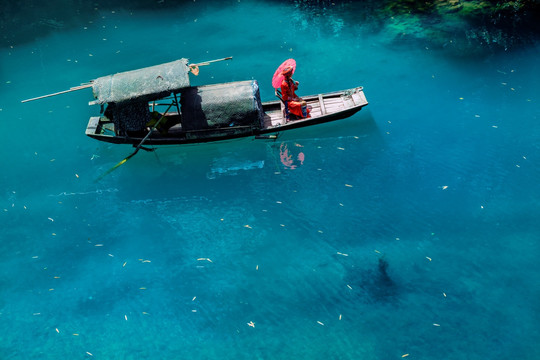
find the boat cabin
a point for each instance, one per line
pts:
(194, 112)
(161, 98)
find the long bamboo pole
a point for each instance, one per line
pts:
(75, 88)
(211, 61)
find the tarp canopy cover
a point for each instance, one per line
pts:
(128, 115)
(151, 82)
(221, 105)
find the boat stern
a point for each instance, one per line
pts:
(93, 124)
(101, 128)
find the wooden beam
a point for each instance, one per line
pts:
(323, 107)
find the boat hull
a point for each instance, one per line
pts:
(324, 108)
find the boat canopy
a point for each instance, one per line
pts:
(151, 83)
(222, 105)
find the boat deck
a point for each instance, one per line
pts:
(320, 105)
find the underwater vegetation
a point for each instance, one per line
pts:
(464, 27)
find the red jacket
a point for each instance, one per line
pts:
(288, 87)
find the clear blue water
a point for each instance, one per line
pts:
(410, 228)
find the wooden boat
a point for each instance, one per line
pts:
(158, 106)
(177, 129)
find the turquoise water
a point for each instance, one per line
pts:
(408, 230)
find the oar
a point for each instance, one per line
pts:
(136, 149)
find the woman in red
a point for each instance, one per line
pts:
(296, 105)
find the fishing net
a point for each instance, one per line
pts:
(151, 82)
(221, 105)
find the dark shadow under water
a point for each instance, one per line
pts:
(375, 283)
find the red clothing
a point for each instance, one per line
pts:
(288, 86)
(287, 89)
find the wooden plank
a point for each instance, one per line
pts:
(348, 102)
(315, 113)
(321, 101)
(361, 98)
(334, 107)
(315, 108)
(276, 118)
(333, 101)
(92, 125)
